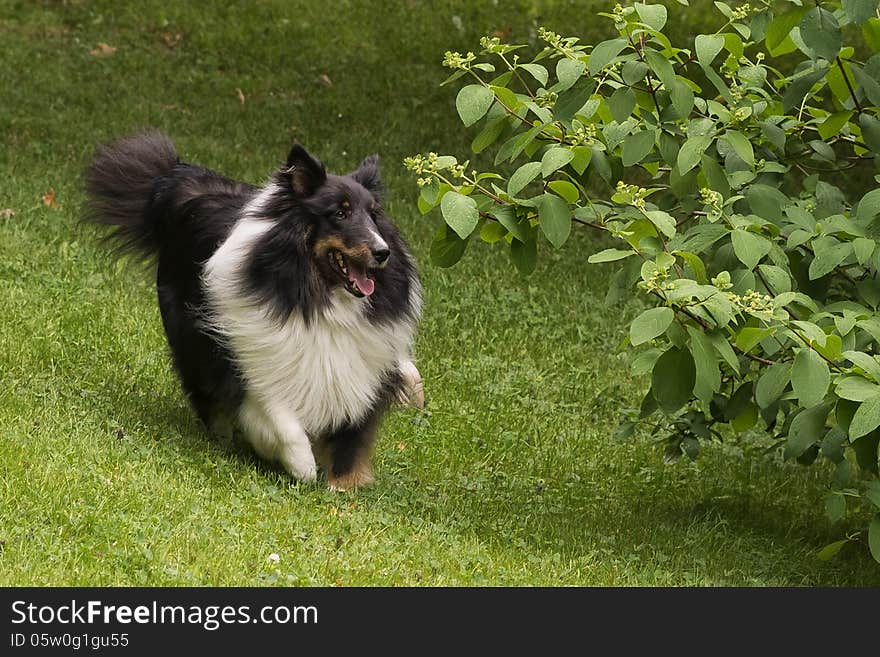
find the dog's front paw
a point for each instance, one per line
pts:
(300, 464)
(412, 392)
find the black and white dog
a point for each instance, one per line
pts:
(290, 309)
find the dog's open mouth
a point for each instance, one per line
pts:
(354, 275)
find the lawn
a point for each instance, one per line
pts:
(511, 475)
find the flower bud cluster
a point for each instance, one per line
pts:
(457, 60)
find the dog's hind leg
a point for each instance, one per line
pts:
(349, 452)
(276, 435)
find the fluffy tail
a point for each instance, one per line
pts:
(120, 185)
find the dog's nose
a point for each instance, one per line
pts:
(381, 254)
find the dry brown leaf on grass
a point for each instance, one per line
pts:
(6, 213)
(103, 50)
(49, 199)
(240, 95)
(171, 39)
(325, 80)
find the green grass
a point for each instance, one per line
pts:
(510, 478)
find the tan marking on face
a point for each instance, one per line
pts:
(331, 243)
(334, 243)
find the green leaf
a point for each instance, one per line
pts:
(830, 551)
(652, 15)
(772, 384)
(682, 98)
(806, 430)
(860, 10)
(524, 255)
(555, 158)
(621, 103)
(835, 506)
(537, 71)
(800, 87)
(492, 231)
(777, 279)
(566, 190)
(554, 217)
(874, 537)
(661, 66)
(821, 33)
(672, 379)
(866, 452)
(691, 152)
(571, 102)
(708, 46)
(865, 362)
(487, 136)
(831, 349)
(831, 126)
(472, 103)
(634, 71)
(568, 71)
(636, 146)
(871, 33)
(828, 259)
(740, 145)
(866, 419)
(696, 264)
(746, 419)
(609, 255)
(650, 324)
(708, 374)
(604, 53)
(749, 336)
(867, 79)
(722, 346)
(810, 377)
(447, 247)
(869, 206)
(522, 177)
(460, 213)
(871, 126)
(663, 221)
(767, 202)
(749, 247)
(856, 388)
(872, 493)
(781, 26)
(581, 159)
(506, 216)
(864, 249)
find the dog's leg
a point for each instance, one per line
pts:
(412, 391)
(277, 435)
(350, 451)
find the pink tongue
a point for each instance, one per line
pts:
(364, 284)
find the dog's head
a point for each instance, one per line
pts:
(347, 231)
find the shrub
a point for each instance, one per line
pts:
(736, 178)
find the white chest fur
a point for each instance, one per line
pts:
(326, 372)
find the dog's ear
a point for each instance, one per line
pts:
(304, 173)
(367, 174)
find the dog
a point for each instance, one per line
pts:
(290, 309)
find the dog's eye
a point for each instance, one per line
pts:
(340, 214)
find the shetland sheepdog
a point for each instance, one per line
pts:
(290, 309)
